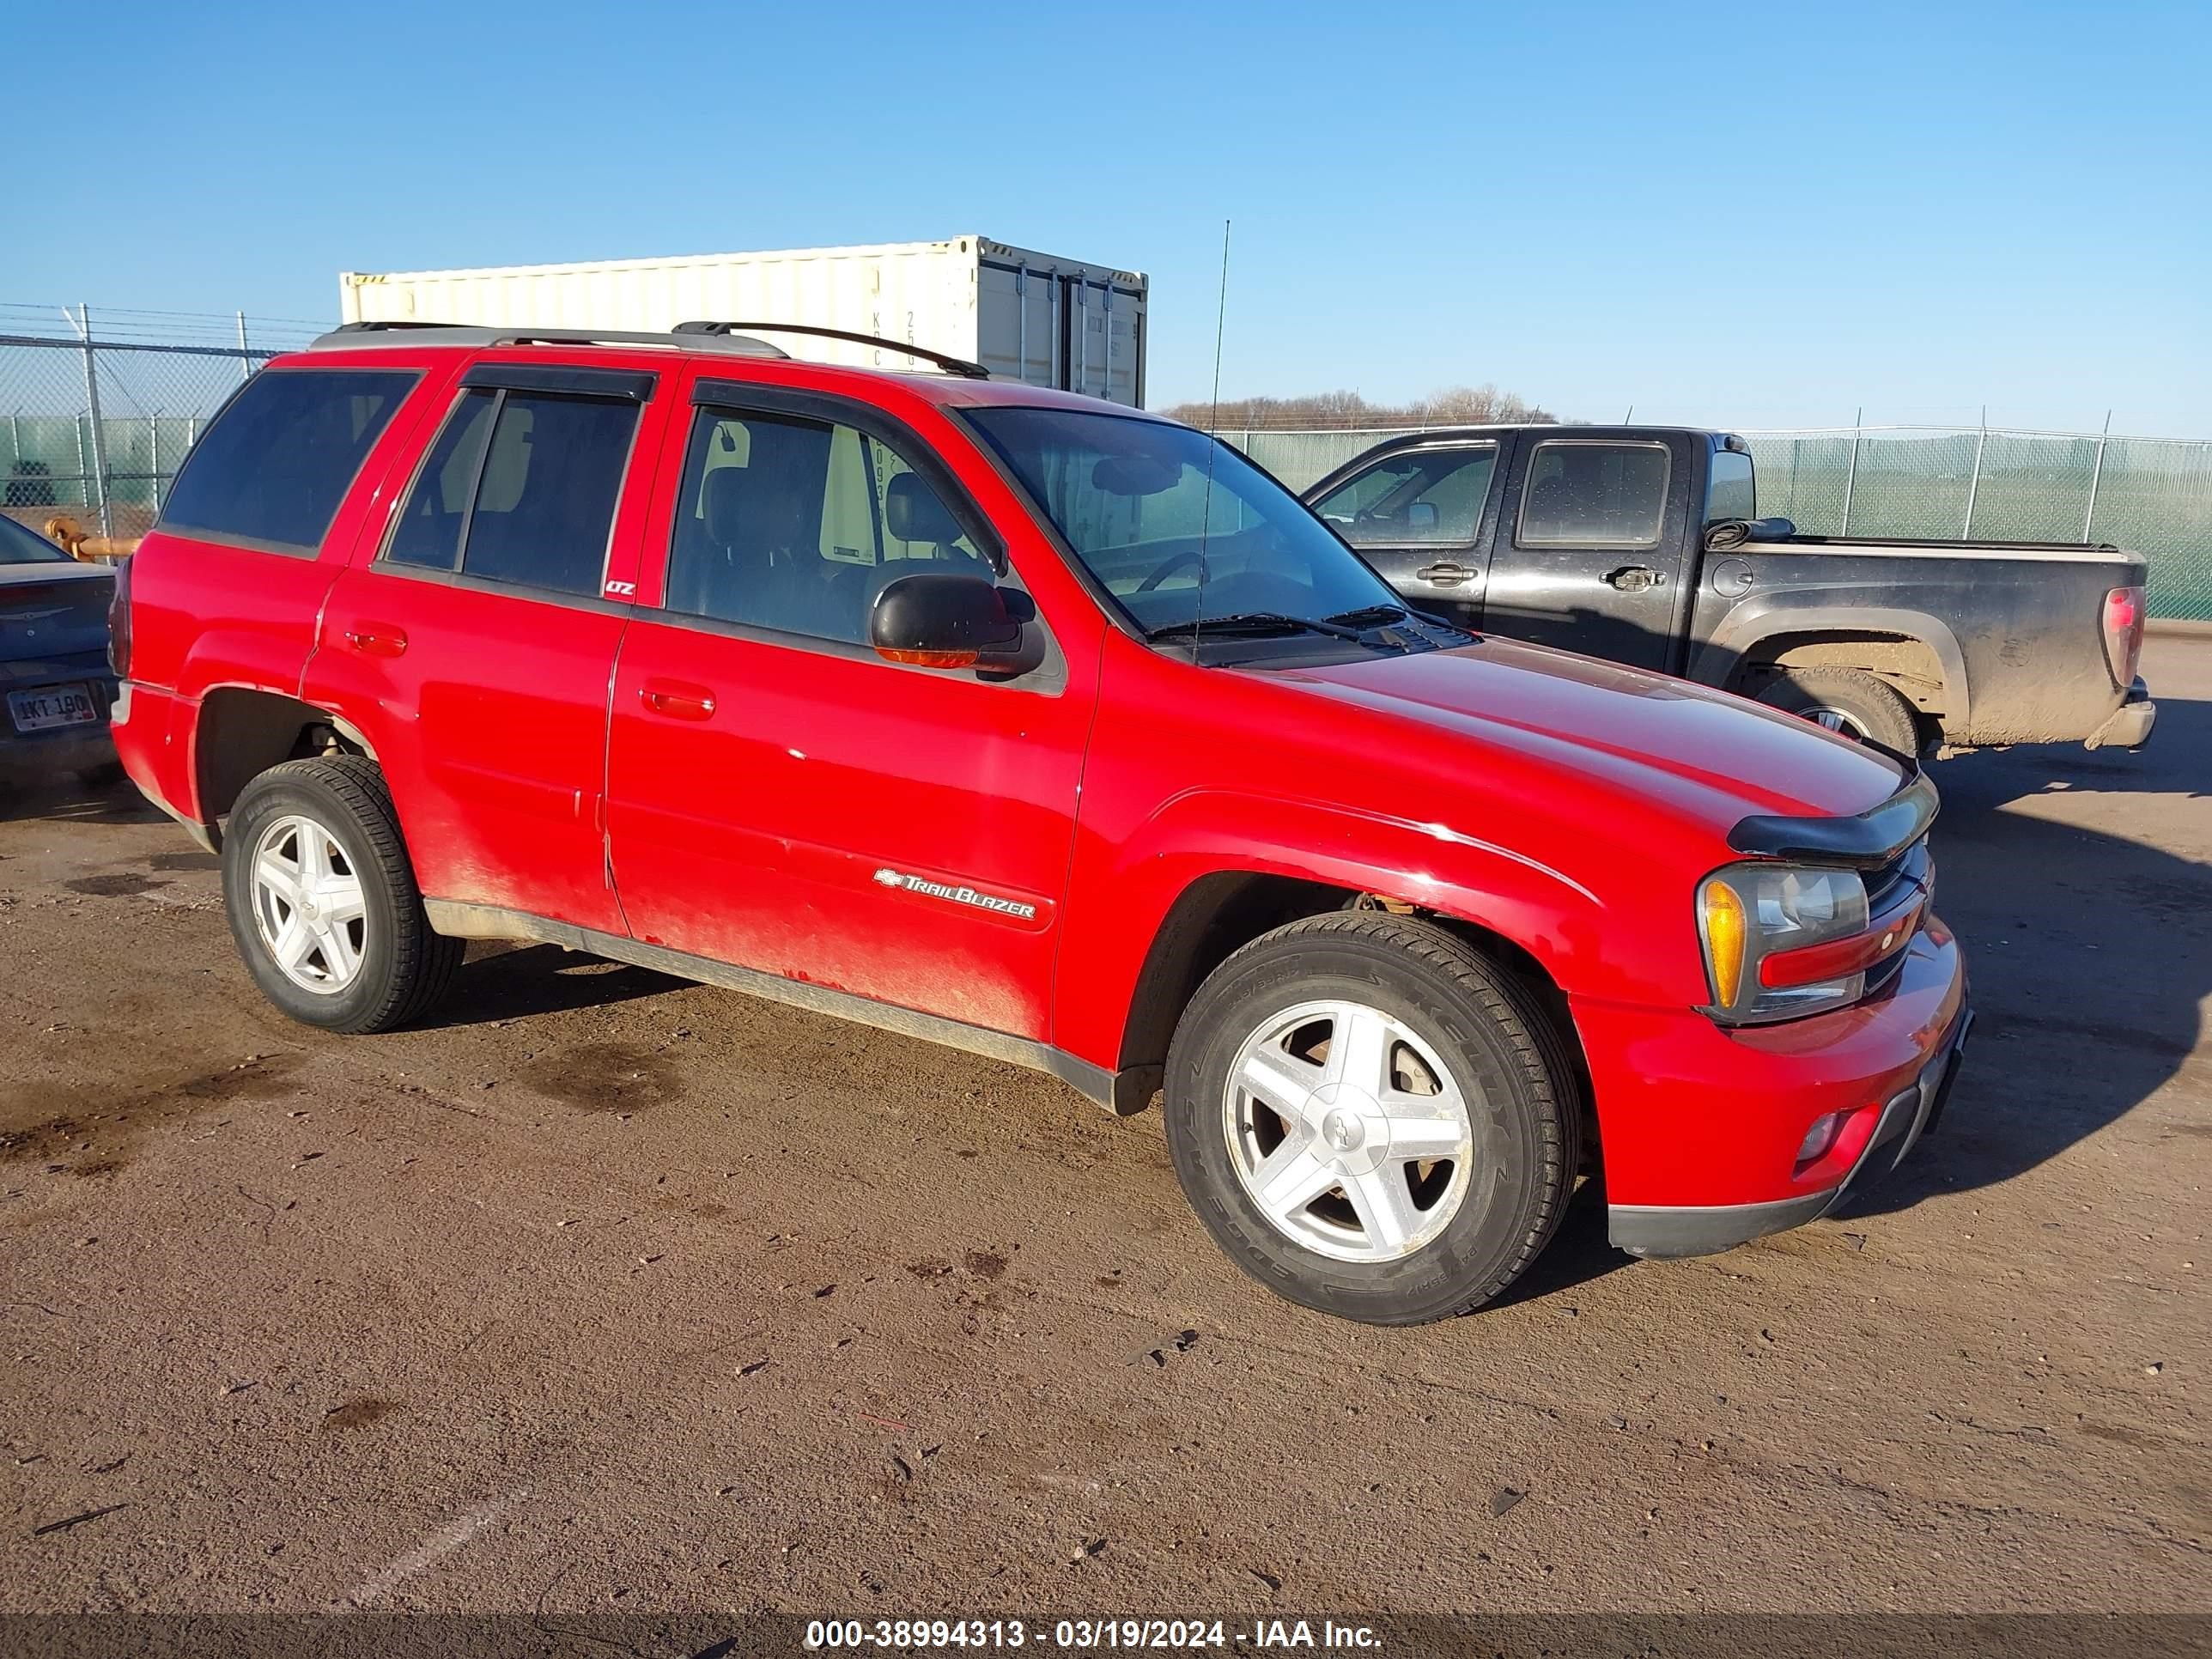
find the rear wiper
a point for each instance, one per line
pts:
(1252, 622)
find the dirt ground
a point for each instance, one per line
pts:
(613, 1293)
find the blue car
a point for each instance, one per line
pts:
(55, 684)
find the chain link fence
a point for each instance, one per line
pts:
(2152, 495)
(96, 412)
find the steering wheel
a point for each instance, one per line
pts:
(1167, 568)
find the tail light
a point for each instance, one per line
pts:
(119, 622)
(2123, 632)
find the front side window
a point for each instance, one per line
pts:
(796, 525)
(1582, 493)
(520, 487)
(275, 464)
(1177, 525)
(1415, 496)
(1731, 495)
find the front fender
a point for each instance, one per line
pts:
(1124, 898)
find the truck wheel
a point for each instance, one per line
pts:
(1369, 1119)
(1850, 702)
(323, 902)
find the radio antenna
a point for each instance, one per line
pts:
(1213, 443)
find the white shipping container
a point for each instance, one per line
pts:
(1022, 314)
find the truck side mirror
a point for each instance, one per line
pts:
(935, 619)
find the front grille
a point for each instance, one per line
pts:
(1887, 888)
(1882, 886)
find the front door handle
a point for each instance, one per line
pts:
(1634, 579)
(679, 700)
(376, 639)
(1444, 573)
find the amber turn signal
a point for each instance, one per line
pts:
(1724, 941)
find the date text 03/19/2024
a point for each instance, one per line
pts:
(1087, 1635)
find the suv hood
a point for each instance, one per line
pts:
(1709, 755)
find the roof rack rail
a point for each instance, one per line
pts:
(352, 336)
(960, 366)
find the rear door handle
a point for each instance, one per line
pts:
(1446, 574)
(375, 638)
(679, 700)
(1634, 579)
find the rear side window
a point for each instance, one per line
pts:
(520, 487)
(273, 468)
(1586, 494)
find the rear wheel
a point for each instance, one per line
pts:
(322, 899)
(1369, 1120)
(1849, 702)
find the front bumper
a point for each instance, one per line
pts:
(1701, 1126)
(2130, 725)
(1664, 1230)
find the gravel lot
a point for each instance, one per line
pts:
(611, 1293)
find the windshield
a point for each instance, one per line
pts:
(1133, 499)
(22, 546)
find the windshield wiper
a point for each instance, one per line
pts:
(1250, 622)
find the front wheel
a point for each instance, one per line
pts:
(322, 899)
(1369, 1120)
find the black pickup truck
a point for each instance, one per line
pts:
(1644, 544)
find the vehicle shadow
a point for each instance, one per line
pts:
(2089, 954)
(74, 802)
(502, 980)
(2090, 951)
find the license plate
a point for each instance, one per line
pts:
(52, 705)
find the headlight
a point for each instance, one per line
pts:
(1782, 940)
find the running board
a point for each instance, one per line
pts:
(1119, 1095)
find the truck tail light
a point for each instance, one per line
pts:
(2123, 632)
(119, 622)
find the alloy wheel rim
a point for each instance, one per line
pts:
(1348, 1131)
(308, 905)
(1841, 721)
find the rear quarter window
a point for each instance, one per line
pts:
(272, 469)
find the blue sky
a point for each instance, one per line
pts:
(1747, 215)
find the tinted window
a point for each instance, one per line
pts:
(22, 546)
(796, 525)
(520, 487)
(1594, 495)
(429, 530)
(279, 460)
(1149, 506)
(1732, 494)
(1421, 495)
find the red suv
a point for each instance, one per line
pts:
(1050, 730)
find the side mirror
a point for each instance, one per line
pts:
(936, 620)
(1421, 518)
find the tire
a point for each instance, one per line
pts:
(1467, 1223)
(1849, 702)
(371, 961)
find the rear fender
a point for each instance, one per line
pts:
(1714, 661)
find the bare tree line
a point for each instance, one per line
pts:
(1462, 406)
